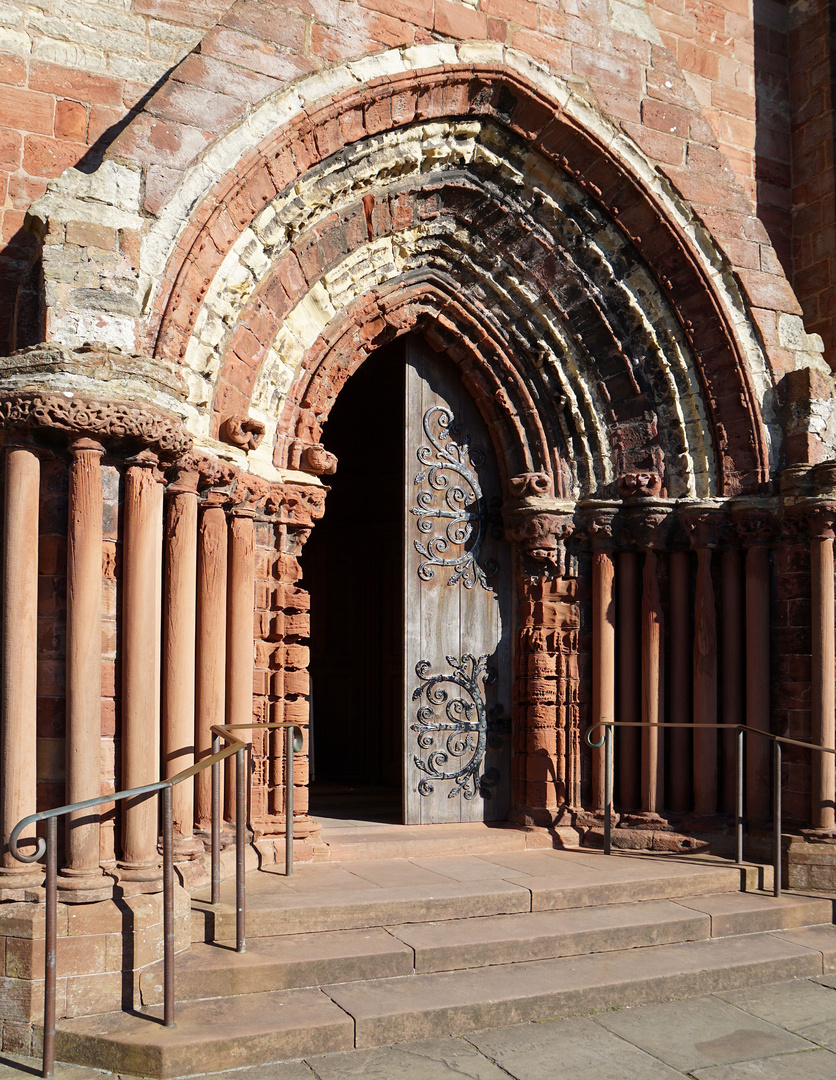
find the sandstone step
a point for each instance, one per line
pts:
(209, 1036)
(266, 1027)
(298, 960)
(330, 896)
(349, 842)
(443, 1003)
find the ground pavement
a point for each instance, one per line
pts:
(783, 1031)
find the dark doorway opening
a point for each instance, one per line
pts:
(353, 570)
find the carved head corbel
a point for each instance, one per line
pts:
(242, 431)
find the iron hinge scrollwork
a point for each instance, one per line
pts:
(470, 726)
(451, 464)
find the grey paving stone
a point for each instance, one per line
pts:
(285, 1070)
(575, 1048)
(698, 1032)
(796, 1006)
(430, 1060)
(807, 1065)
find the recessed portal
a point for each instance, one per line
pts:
(352, 567)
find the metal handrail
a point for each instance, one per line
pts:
(49, 847)
(742, 730)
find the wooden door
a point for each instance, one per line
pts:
(457, 604)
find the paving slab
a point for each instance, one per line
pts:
(796, 1005)
(428, 1060)
(507, 939)
(393, 1010)
(460, 867)
(699, 1032)
(394, 872)
(809, 1065)
(583, 1050)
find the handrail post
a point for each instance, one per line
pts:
(608, 787)
(51, 944)
(240, 866)
(288, 803)
(215, 824)
(776, 818)
(168, 909)
(738, 825)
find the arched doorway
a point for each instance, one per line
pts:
(411, 614)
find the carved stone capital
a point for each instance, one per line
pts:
(650, 524)
(242, 431)
(704, 526)
(821, 520)
(106, 421)
(539, 533)
(599, 521)
(754, 524)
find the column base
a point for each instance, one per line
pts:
(15, 883)
(84, 886)
(136, 878)
(304, 827)
(187, 848)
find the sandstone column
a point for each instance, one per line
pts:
(239, 630)
(178, 678)
(650, 528)
(211, 641)
(732, 639)
(756, 528)
(82, 872)
(141, 616)
(823, 709)
(18, 709)
(603, 642)
(628, 740)
(679, 564)
(704, 530)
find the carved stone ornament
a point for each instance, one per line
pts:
(704, 527)
(539, 534)
(530, 484)
(319, 461)
(821, 520)
(242, 431)
(101, 419)
(640, 484)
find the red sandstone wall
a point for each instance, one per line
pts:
(72, 74)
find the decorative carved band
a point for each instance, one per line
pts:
(103, 419)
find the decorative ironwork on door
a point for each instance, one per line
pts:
(456, 713)
(454, 503)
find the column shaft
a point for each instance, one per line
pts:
(141, 602)
(629, 674)
(239, 630)
(652, 685)
(18, 709)
(211, 645)
(758, 751)
(603, 660)
(732, 638)
(178, 688)
(824, 682)
(705, 688)
(84, 660)
(680, 679)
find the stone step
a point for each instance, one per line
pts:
(265, 1027)
(444, 1003)
(348, 842)
(298, 960)
(330, 896)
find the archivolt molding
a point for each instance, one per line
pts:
(538, 255)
